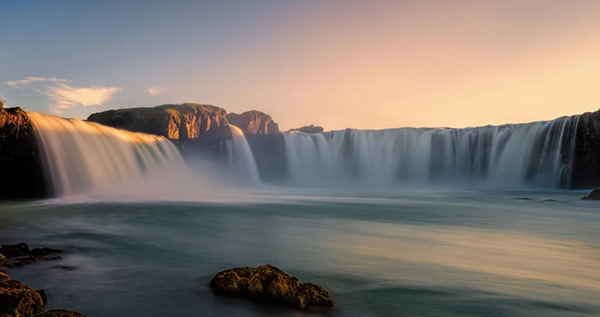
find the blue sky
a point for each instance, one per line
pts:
(362, 64)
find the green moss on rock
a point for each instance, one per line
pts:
(269, 283)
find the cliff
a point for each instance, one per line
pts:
(586, 164)
(254, 122)
(173, 121)
(20, 163)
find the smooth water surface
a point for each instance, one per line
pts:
(415, 253)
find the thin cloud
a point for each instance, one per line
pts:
(65, 96)
(14, 84)
(155, 90)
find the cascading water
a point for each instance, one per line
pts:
(81, 156)
(241, 161)
(538, 154)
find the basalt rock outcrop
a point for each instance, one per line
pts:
(586, 156)
(21, 172)
(253, 122)
(308, 129)
(269, 283)
(174, 121)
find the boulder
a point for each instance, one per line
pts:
(20, 160)
(253, 122)
(308, 129)
(269, 283)
(173, 121)
(594, 195)
(17, 299)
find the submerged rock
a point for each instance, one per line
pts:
(17, 255)
(594, 195)
(59, 313)
(17, 299)
(269, 283)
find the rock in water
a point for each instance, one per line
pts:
(16, 255)
(269, 283)
(17, 299)
(594, 195)
(59, 313)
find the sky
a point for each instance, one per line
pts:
(362, 64)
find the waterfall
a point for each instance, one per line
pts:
(533, 154)
(81, 156)
(241, 163)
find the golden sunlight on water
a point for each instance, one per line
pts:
(571, 264)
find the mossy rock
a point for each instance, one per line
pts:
(269, 283)
(17, 299)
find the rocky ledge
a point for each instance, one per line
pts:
(17, 255)
(271, 284)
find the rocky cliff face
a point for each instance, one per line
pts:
(254, 122)
(21, 172)
(586, 165)
(177, 122)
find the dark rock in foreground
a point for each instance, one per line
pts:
(594, 195)
(308, 129)
(17, 299)
(269, 283)
(253, 122)
(17, 255)
(20, 162)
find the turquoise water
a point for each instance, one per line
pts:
(415, 253)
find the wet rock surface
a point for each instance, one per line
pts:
(594, 195)
(59, 313)
(17, 255)
(268, 283)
